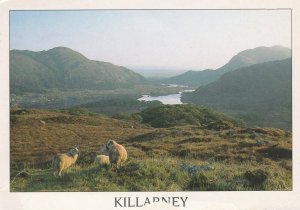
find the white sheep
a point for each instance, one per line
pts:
(63, 161)
(102, 160)
(116, 152)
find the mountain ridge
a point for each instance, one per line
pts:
(259, 94)
(242, 59)
(64, 68)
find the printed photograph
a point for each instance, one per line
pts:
(150, 100)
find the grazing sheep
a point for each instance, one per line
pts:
(116, 152)
(63, 161)
(102, 160)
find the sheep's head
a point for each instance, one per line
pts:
(73, 151)
(109, 144)
(104, 150)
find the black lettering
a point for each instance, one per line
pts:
(137, 202)
(183, 201)
(117, 202)
(165, 200)
(129, 205)
(175, 200)
(156, 199)
(147, 201)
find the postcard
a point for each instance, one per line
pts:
(150, 106)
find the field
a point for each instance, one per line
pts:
(176, 158)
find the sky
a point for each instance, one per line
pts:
(152, 39)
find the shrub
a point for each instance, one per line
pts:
(129, 117)
(277, 152)
(256, 177)
(78, 111)
(199, 181)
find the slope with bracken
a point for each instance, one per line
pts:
(160, 158)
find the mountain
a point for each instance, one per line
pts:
(260, 94)
(192, 78)
(255, 56)
(63, 68)
(245, 58)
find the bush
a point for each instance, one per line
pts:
(200, 181)
(256, 177)
(78, 111)
(277, 152)
(130, 117)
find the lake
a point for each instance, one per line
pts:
(167, 99)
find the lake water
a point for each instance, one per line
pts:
(167, 99)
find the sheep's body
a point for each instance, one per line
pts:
(117, 153)
(63, 161)
(102, 160)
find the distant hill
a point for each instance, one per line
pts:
(187, 114)
(63, 68)
(255, 56)
(242, 59)
(193, 78)
(260, 94)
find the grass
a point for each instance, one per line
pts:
(158, 175)
(239, 158)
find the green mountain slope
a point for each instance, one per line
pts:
(193, 78)
(260, 94)
(63, 68)
(242, 59)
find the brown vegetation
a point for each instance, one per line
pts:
(260, 158)
(34, 143)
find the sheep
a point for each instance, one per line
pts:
(116, 152)
(63, 161)
(102, 161)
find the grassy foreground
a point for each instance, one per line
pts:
(177, 158)
(159, 175)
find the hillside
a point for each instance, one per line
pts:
(193, 78)
(245, 58)
(187, 114)
(255, 56)
(260, 94)
(63, 68)
(177, 158)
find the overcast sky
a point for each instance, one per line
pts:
(167, 39)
